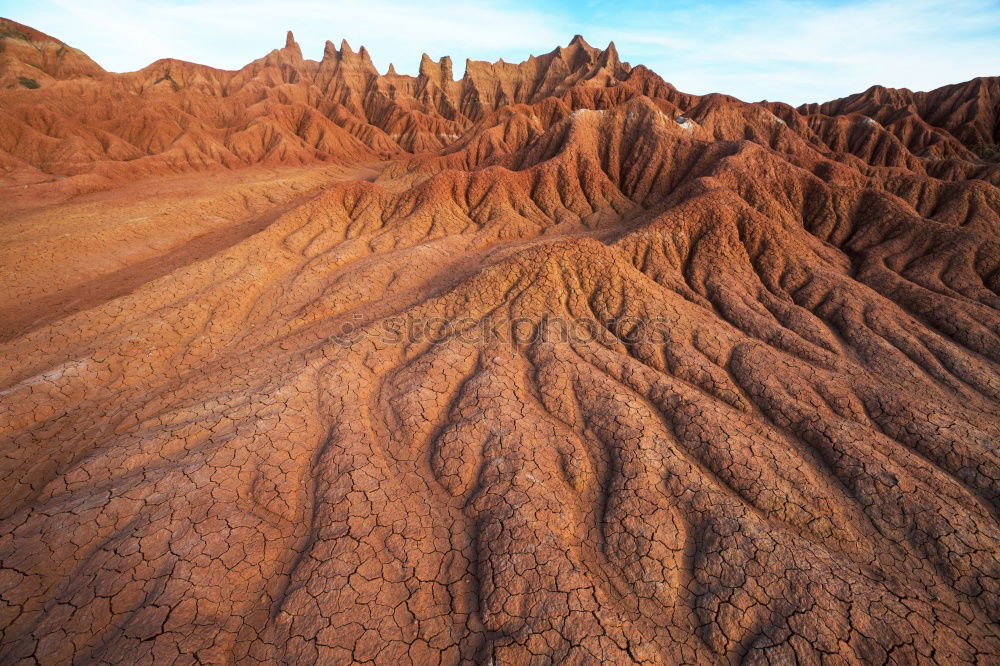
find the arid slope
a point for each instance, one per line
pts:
(549, 364)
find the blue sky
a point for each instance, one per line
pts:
(754, 49)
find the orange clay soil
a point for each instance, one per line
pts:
(552, 363)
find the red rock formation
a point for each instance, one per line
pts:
(930, 122)
(29, 53)
(551, 363)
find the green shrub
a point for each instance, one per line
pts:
(15, 34)
(28, 83)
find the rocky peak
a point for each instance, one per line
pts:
(31, 54)
(439, 72)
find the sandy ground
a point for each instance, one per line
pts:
(66, 256)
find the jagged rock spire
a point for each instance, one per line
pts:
(440, 72)
(609, 56)
(292, 47)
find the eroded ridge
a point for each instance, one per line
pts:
(617, 375)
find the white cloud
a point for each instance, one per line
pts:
(807, 51)
(123, 36)
(776, 49)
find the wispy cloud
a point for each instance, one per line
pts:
(812, 51)
(124, 36)
(776, 49)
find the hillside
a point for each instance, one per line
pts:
(552, 363)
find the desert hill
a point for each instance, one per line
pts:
(549, 364)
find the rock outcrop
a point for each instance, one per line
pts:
(549, 364)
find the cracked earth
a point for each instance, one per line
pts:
(596, 385)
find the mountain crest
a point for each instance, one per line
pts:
(439, 72)
(29, 54)
(548, 364)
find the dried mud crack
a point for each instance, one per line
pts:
(549, 364)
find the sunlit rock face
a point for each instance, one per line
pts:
(303, 363)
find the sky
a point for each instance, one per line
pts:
(754, 49)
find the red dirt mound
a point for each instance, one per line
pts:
(552, 363)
